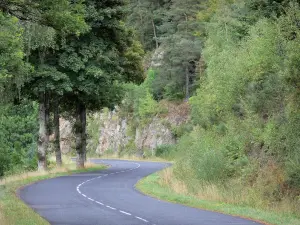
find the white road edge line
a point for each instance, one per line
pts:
(111, 207)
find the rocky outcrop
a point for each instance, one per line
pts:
(108, 131)
(66, 136)
(112, 133)
(117, 134)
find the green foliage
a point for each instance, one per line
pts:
(145, 17)
(93, 130)
(12, 66)
(209, 157)
(179, 131)
(18, 136)
(181, 50)
(171, 28)
(133, 67)
(98, 62)
(246, 111)
(165, 151)
(293, 171)
(147, 106)
(139, 102)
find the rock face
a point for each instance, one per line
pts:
(108, 131)
(117, 134)
(112, 133)
(66, 136)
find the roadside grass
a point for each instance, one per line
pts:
(158, 185)
(13, 211)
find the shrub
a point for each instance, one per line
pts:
(293, 172)
(19, 128)
(202, 156)
(165, 151)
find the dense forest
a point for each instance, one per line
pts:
(235, 62)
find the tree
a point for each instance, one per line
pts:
(56, 127)
(97, 63)
(44, 35)
(145, 16)
(182, 50)
(12, 66)
(177, 73)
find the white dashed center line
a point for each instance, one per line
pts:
(100, 203)
(126, 213)
(146, 221)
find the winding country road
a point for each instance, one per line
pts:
(108, 197)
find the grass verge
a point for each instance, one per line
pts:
(153, 186)
(13, 211)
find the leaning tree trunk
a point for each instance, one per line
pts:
(187, 84)
(80, 133)
(154, 33)
(57, 135)
(43, 132)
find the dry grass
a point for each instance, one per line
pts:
(152, 185)
(68, 166)
(168, 179)
(2, 218)
(177, 111)
(235, 192)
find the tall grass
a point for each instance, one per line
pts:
(233, 192)
(2, 218)
(67, 166)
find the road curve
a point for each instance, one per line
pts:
(108, 197)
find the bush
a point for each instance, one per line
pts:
(19, 129)
(139, 103)
(5, 161)
(293, 172)
(201, 156)
(165, 151)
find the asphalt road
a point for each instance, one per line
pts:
(108, 197)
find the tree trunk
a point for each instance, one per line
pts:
(84, 136)
(57, 135)
(47, 118)
(43, 133)
(80, 134)
(155, 35)
(187, 84)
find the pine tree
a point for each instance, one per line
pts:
(182, 50)
(145, 16)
